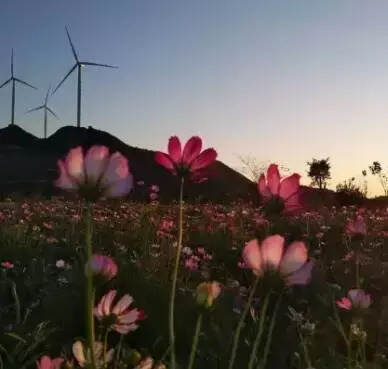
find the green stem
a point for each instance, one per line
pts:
(119, 351)
(17, 302)
(341, 329)
(195, 342)
(240, 324)
(270, 332)
(89, 284)
(305, 348)
(174, 279)
(357, 269)
(252, 358)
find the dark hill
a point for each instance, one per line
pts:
(34, 164)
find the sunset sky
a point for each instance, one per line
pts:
(281, 80)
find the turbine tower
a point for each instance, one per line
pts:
(13, 80)
(78, 65)
(45, 110)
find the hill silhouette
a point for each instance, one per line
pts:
(30, 164)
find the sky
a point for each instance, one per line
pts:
(282, 80)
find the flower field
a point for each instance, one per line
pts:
(93, 280)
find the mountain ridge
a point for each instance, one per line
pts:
(30, 159)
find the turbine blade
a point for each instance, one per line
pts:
(64, 79)
(99, 65)
(35, 109)
(12, 63)
(6, 82)
(25, 83)
(56, 116)
(47, 95)
(72, 46)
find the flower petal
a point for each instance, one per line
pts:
(262, 187)
(64, 181)
(96, 160)
(204, 159)
(74, 164)
(79, 353)
(120, 188)
(175, 149)
(272, 250)
(294, 258)
(165, 161)
(301, 276)
(191, 150)
(252, 256)
(289, 186)
(122, 304)
(107, 304)
(273, 179)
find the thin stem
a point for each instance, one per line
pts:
(270, 332)
(119, 351)
(240, 324)
(175, 277)
(89, 284)
(305, 349)
(252, 358)
(340, 328)
(195, 342)
(17, 302)
(357, 269)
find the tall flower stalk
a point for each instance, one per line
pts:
(236, 337)
(175, 277)
(187, 163)
(90, 290)
(92, 176)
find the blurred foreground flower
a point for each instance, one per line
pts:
(7, 265)
(279, 195)
(269, 256)
(95, 174)
(356, 228)
(103, 266)
(46, 362)
(188, 162)
(120, 317)
(357, 299)
(81, 354)
(207, 293)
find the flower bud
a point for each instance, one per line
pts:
(102, 266)
(207, 292)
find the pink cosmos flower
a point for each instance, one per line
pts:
(292, 263)
(191, 161)
(103, 266)
(284, 192)
(46, 362)
(153, 196)
(95, 174)
(7, 265)
(356, 227)
(124, 318)
(357, 299)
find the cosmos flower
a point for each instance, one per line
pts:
(283, 194)
(270, 255)
(189, 162)
(103, 266)
(46, 362)
(357, 299)
(95, 174)
(119, 317)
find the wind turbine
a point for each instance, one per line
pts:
(45, 110)
(13, 80)
(78, 65)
